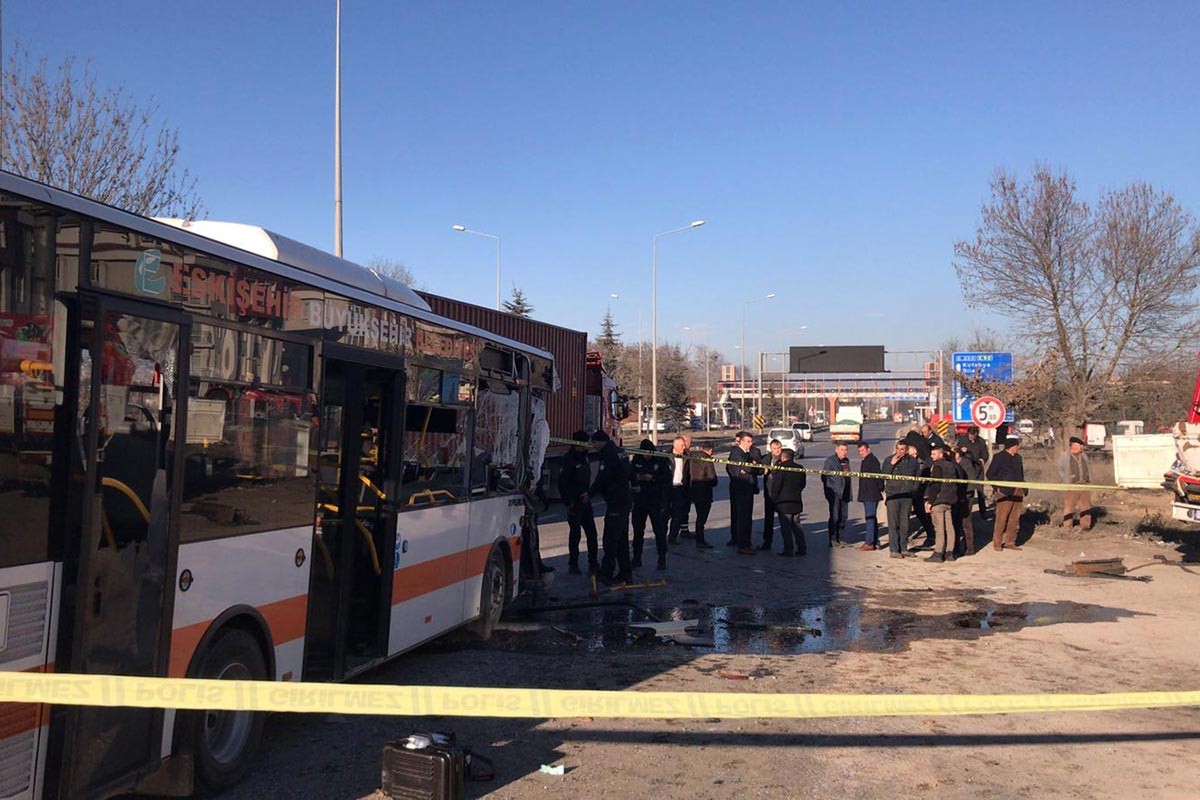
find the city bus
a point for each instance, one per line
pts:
(226, 454)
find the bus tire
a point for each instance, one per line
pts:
(493, 595)
(224, 743)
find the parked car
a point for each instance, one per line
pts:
(788, 438)
(803, 430)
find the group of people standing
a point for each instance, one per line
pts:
(923, 485)
(650, 487)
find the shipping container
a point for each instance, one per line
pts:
(565, 409)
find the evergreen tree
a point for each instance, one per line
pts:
(518, 304)
(609, 343)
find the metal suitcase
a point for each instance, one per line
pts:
(423, 766)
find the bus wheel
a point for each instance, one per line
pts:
(224, 743)
(494, 593)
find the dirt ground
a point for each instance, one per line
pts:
(837, 620)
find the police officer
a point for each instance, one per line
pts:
(574, 480)
(613, 482)
(651, 481)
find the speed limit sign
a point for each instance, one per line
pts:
(987, 412)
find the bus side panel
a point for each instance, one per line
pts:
(267, 571)
(430, 572)
(28, 619)
(492, 518)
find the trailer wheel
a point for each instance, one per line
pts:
(224, 743)
(493, 595)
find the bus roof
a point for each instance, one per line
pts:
(262, 249)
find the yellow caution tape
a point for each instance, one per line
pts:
(1052, 487)
(454, 701)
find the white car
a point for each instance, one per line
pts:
(803, 430)
(788, 438)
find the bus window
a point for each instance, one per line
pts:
(249, 437)
(496, 463)
(435, 440)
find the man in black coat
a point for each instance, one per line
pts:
(613, 482)
(574, 480)
(900, 496)
(940, 496)
(870, 494)
(836, 481)
(702, 479)
(743, 485)
(679, 498)
(785, 487)
(1007, 466)
(770, 459)
(651, 481)
(975, 457)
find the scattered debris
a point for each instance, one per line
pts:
(670, 628)
(553, 769)
(566, 632)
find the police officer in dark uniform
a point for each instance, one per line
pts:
(651, 484)
(574, 480)
(613, 482)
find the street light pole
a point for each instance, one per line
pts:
(464, 229)
(654, 324)
(337, 134)
(742, 374)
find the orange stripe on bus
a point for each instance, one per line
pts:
(287, 618)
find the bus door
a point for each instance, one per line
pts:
(116, 620)
(350, 589)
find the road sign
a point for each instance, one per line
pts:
(988, 366)
(987, 412)
(759, 423)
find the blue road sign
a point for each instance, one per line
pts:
(989, 366)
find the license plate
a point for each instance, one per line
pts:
(1193, 513)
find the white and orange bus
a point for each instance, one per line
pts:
(226, 454)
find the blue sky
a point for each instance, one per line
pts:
(837, 150)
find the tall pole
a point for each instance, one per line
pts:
(337, 136)
(761, 362)
(641, 402)
(742, 366)
(941, 363)
(654, 324)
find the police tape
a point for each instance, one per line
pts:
(1051, 487)
(198, 694)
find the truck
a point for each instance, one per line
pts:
(847, 424)
(589, 399)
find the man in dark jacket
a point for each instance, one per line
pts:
(975, 457)
(932, 437)
(651, 481)
(899, 494)
(785, 487)
(743, 472)
(613, 482)
(703, 479)
(870, 493)
(940, 497)
(678, 498)
(837, 490)
(770, 459)
(574, 480)
(1007, 466)
(964, 526)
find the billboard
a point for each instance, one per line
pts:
(852, 358)
(988, 366)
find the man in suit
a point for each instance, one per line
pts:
(743, 472)
(870, 493)
(679, 497)
(769, 460)
(837, 490)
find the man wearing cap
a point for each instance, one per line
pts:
(574, 480)
(1007, 466)
(940, 497)
(1073, 468)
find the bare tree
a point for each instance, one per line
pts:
(394, 269)
(1091, 290)
(64, 130)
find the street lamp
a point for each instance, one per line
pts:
(654, 324)
(616, 296)
(742, 374)
(707, 384)
(464, 229)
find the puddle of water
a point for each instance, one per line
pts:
(837, 626)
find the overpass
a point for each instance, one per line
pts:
(886, 386)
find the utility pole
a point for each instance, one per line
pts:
(337, 136)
